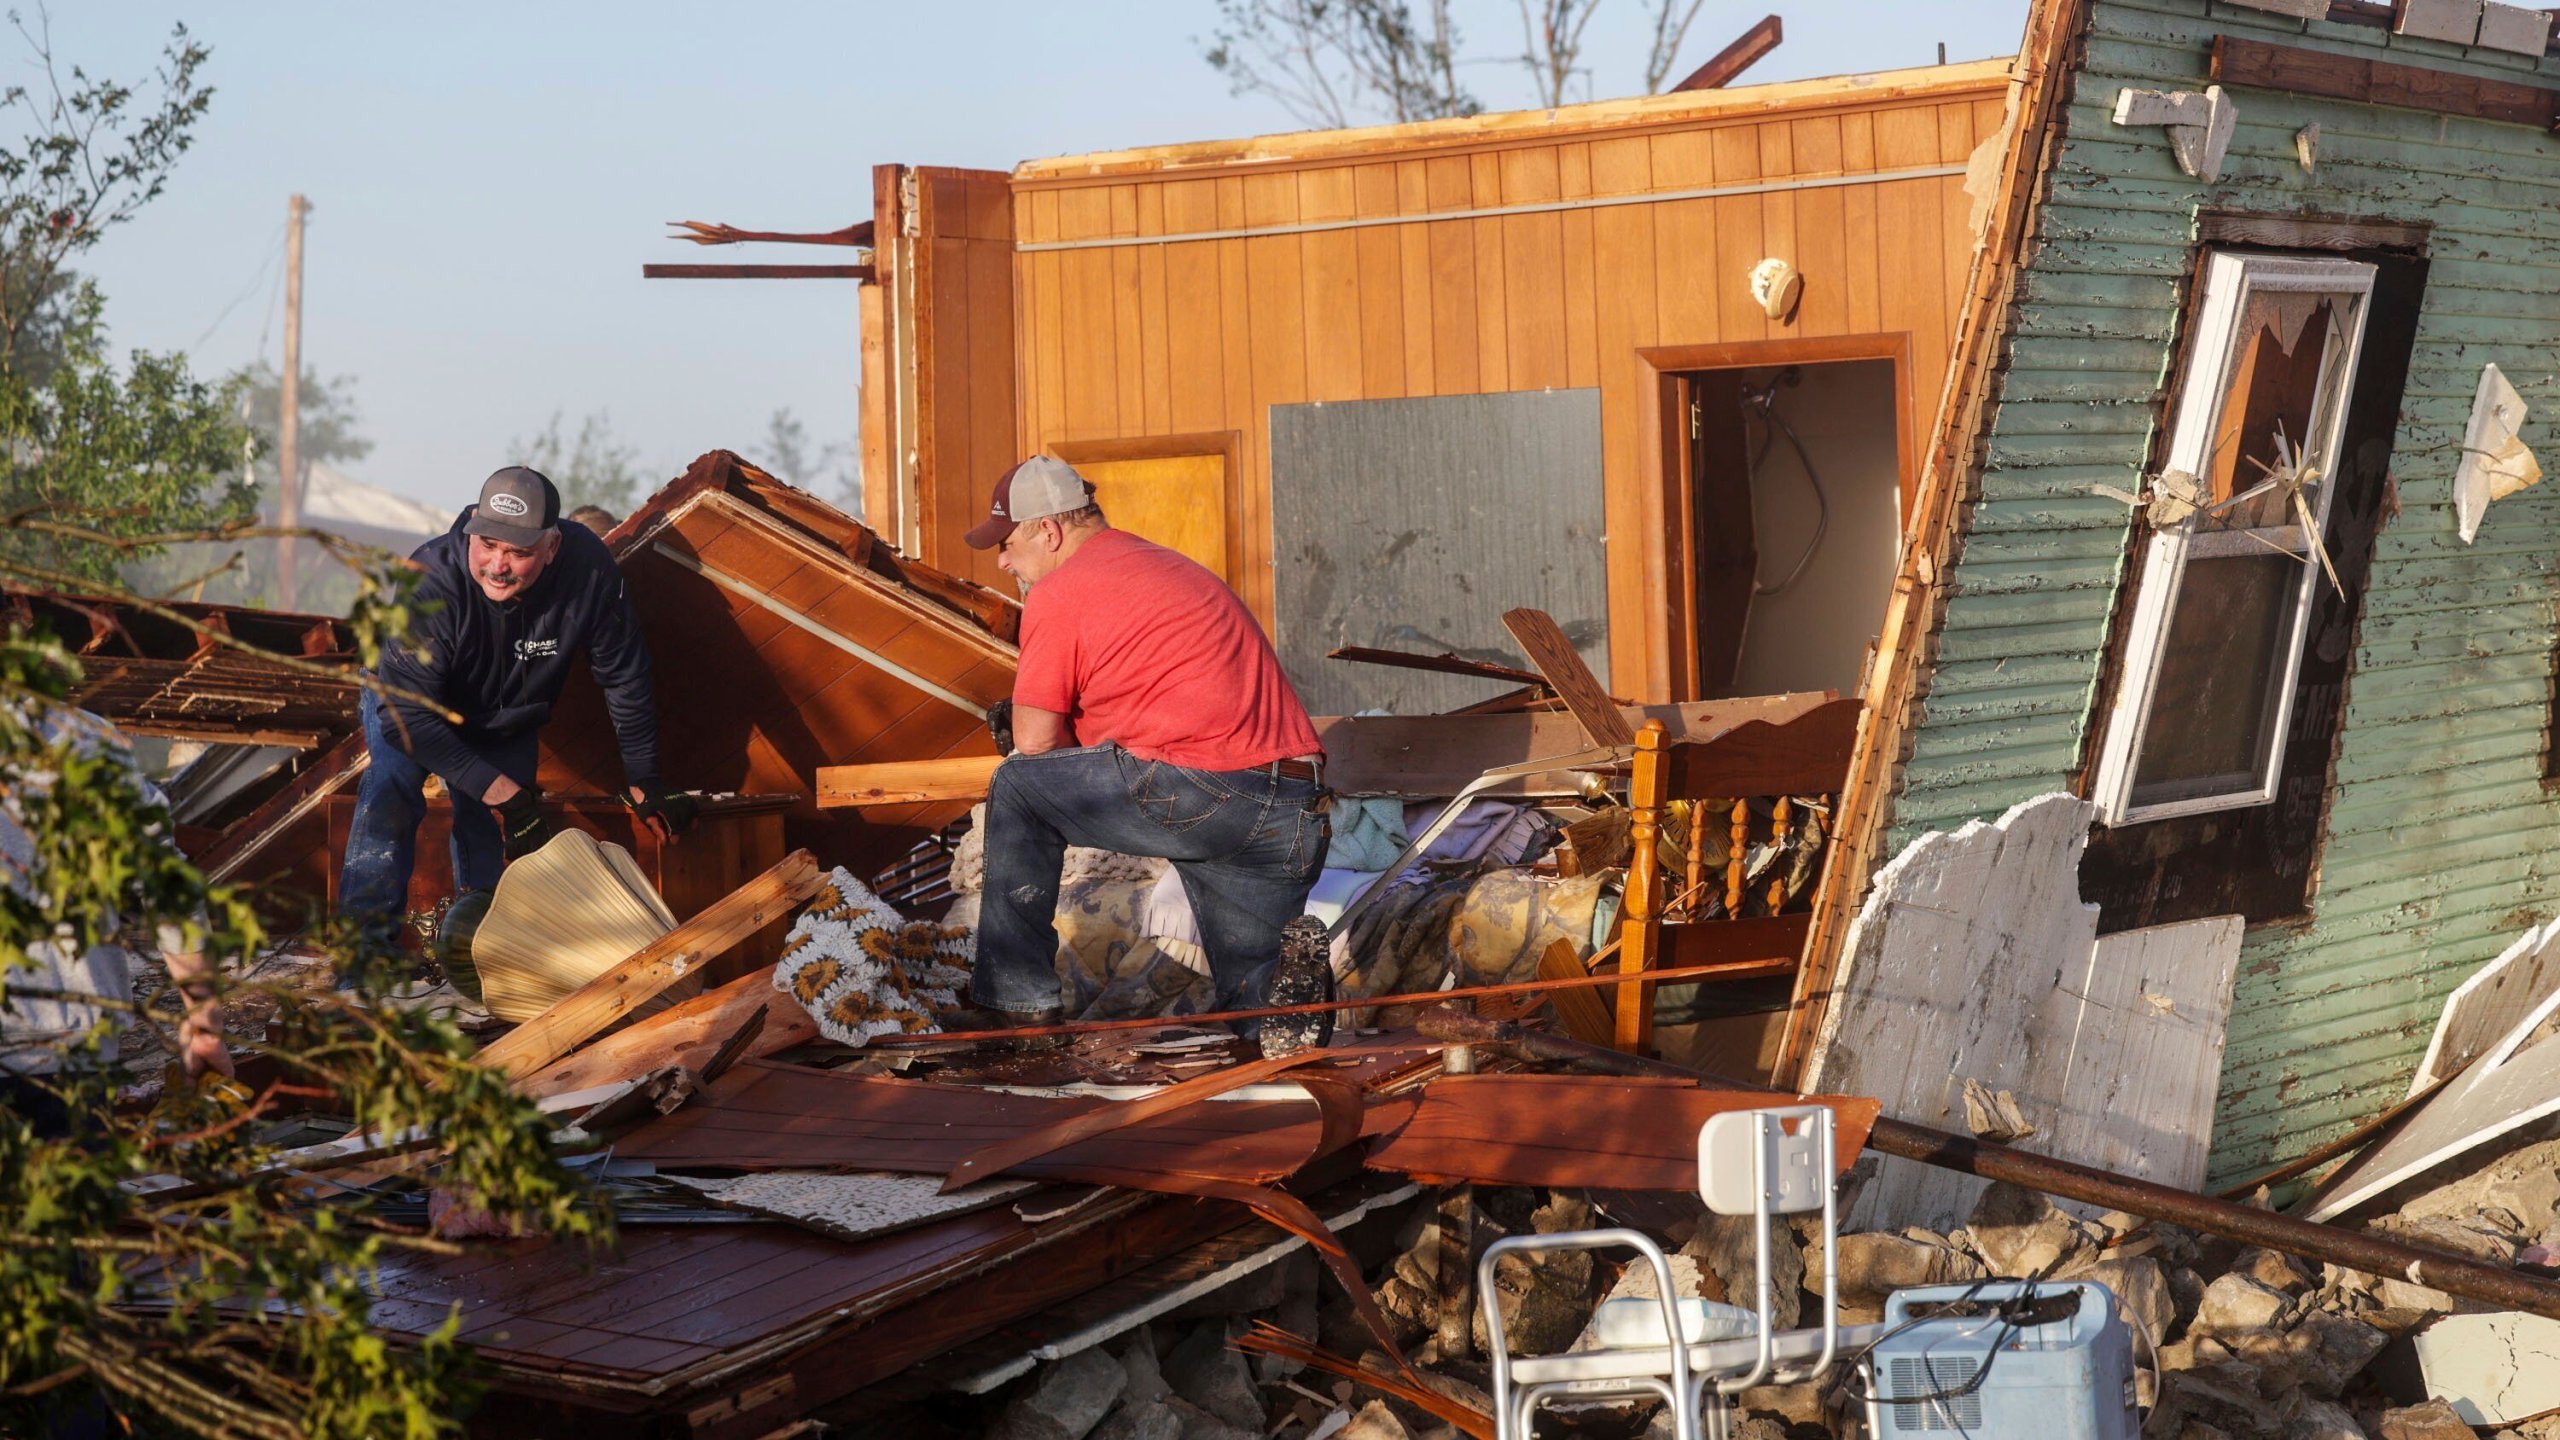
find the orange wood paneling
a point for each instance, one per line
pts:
(965, 309)
(1206, 335)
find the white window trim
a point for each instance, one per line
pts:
(2229, 278)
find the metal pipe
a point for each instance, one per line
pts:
(2452, 1274)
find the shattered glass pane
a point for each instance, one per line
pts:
(2287, 377)
(2213, 708)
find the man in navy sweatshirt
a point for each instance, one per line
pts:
(512, 596)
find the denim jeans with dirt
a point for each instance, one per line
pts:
(373, 876)
(1247, 843)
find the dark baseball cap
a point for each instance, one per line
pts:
(1033, 489)
(516, 506)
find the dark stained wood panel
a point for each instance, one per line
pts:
(765, 1116)
(1567, 1130)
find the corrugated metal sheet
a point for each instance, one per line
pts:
(2441, 832)
(1414, 524)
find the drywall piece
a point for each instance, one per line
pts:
(563, 915)
(851, 1207)
(2514, 28)
(2298, 9)
(2492, 1369)
(2514, 1084)
(1975, 964)
(2457, 21)
(2495, 462)
(2486, 1007)
(2306, 148)
(2199, 125)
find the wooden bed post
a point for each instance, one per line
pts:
(1640, 915)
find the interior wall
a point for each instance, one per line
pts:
(1321, 276)
(1813, 634)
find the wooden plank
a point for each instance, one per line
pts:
(2515, 1084)
(1548, 649)
(1580, 1130)
(1806, 755)
(1492, 312)
(1533, 287)
(1195, 335)
(687, 1035)
(994, 1159)
(674, 955)
(1455, 362)
(1422, 755)
(1330, 289)
(1380, 267)
(1745, 52)
(906, 782)
(862, 273)
(2259, 65)
(1975, 951)
(2484, 1008)
(1585, 1013)
(1734, 942)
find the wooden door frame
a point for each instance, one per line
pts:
(1663, 451)
(1227, 443)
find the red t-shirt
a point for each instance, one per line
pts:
(1144, 646)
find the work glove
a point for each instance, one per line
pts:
(521, 828)
(670, 813)
(1000, 725)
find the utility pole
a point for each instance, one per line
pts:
(289, 407)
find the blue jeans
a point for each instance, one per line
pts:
(1247, 843)
(373, 876)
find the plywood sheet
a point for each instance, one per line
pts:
(1975, 959)
(2514, 1084)
(2485, 1007)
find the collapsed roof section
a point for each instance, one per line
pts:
(151, 671)
(784, 636)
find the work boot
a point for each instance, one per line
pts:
(1302, 975)
(988, 1017)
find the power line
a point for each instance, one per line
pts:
(275, 248)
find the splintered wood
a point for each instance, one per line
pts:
(681, 952)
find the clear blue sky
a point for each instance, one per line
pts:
(487, 180)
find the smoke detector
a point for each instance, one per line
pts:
(1776, 285)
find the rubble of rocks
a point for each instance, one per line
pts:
(2250, 1344)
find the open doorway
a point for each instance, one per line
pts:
(1793, 481)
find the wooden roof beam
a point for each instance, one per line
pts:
(860, 273)
(1737, 57)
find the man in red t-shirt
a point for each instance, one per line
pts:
(1150, 717)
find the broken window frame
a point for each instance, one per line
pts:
(2229, 280)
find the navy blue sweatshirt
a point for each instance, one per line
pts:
(502, 666)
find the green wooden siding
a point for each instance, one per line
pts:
(2442, 839)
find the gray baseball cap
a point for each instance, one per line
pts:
(1032, 490)
(516, 506)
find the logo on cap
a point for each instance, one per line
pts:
(509, 505)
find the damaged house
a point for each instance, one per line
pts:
(2026, 573)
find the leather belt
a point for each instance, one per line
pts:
(1298, 770)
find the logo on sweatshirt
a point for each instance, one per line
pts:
(536, 649)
